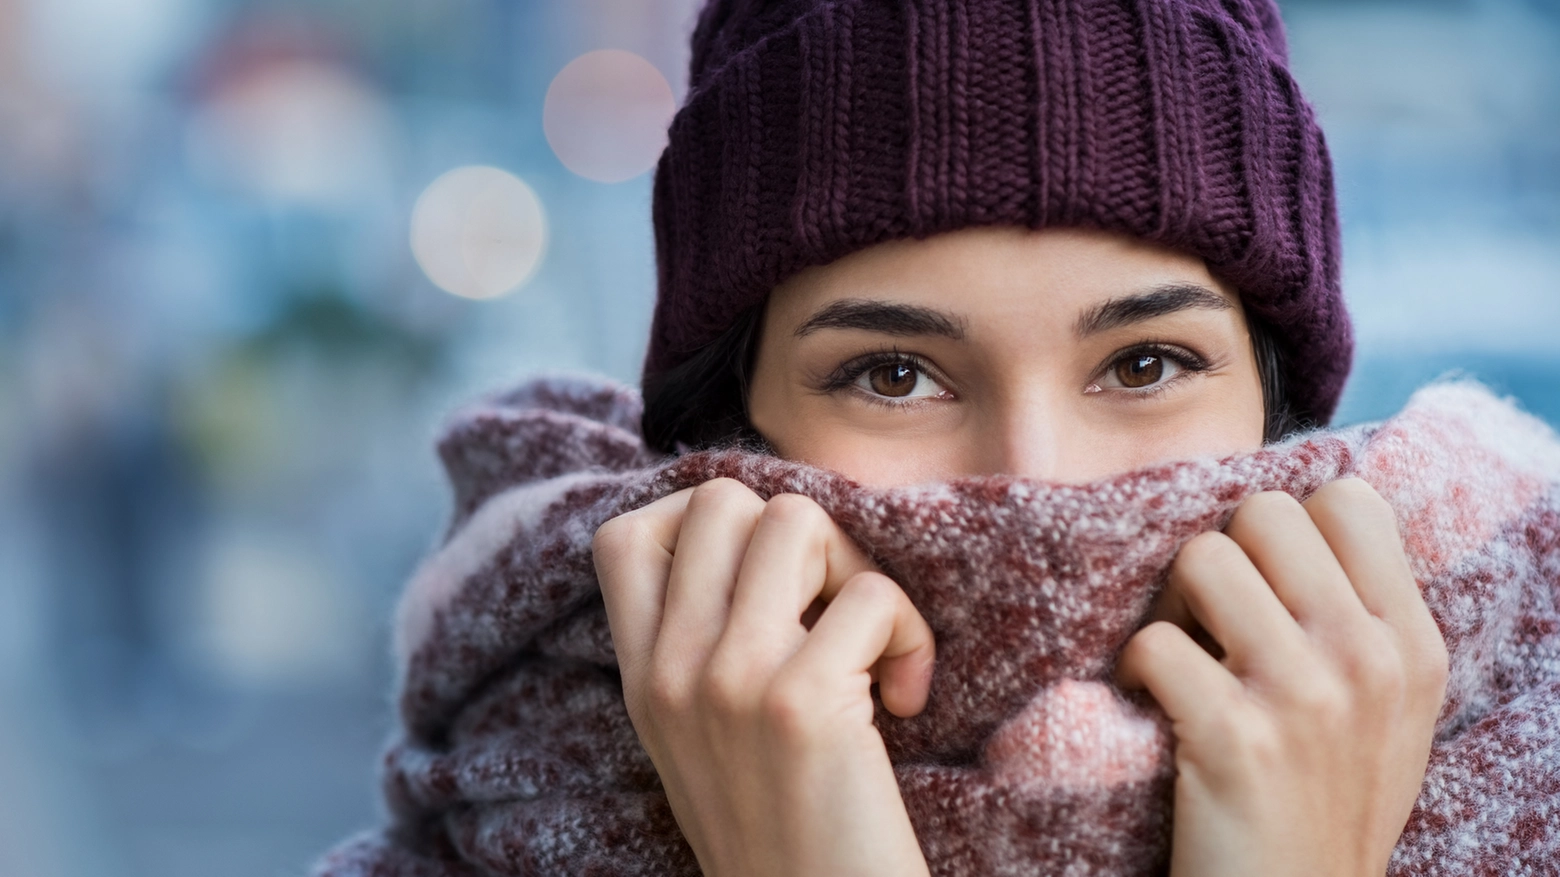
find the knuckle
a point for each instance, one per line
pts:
(1208, 549)
(788, 706)
(1259, 745)
(1152, 646)
(611, 533)
(1352, 489)
(617, 537)
(1249, 742)
(724, 685)
(793, 508)
(720, 493)
(1355, 497)
(1378, 672)
(1323, 702)
(1262, 507)
(666, 693)
(1153, 640)
(1271, 501)
(872, 587)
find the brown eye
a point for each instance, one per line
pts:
(1140, 370)
(896, 379)
(902, 380)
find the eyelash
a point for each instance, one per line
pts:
(1187, 361)
(844, 377)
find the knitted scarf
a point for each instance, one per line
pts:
(515, 754)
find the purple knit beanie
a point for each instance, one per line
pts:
(814, 128)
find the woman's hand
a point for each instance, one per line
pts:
(761, 728)
(1301, 747)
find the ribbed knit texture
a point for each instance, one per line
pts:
(814, 128)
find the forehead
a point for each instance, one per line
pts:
(996, 273)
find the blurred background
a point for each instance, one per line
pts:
(252, 250)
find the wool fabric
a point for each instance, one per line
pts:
(515, 755)
(814, 128)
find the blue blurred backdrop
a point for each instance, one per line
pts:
(239, 284)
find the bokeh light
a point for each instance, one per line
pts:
(478, 232)
(296, 131)
(606, 115)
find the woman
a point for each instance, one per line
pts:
(918, 241)
(750, 633)
(1060, 355)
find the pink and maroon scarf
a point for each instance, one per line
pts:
(515, 755)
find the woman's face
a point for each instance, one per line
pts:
(1063, 354)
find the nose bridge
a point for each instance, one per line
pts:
(1029, 440)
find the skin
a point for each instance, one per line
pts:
(1292, 652)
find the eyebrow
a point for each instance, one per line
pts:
(893, 318)
(890, 318)
(1157, 302)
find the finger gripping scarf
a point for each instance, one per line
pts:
(516, 756)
